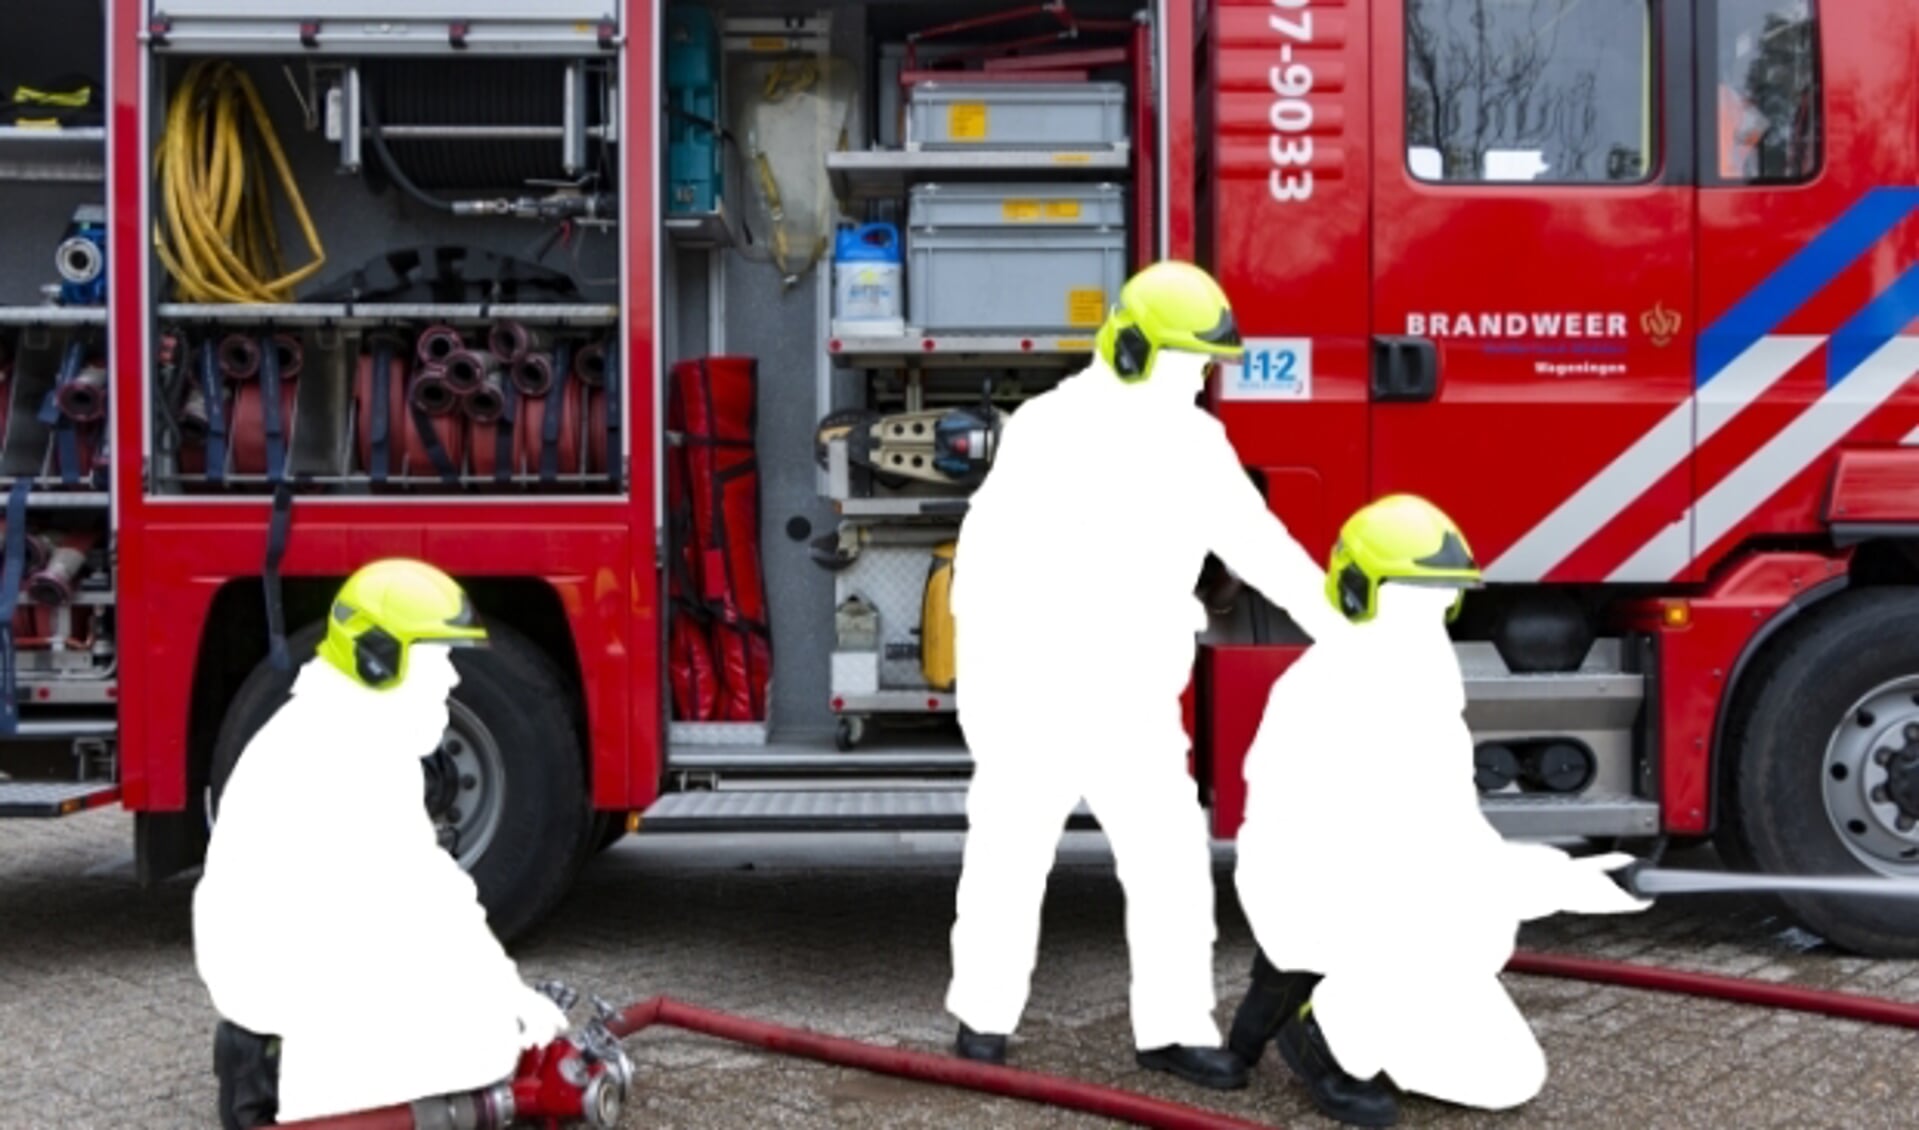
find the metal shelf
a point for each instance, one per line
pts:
(950, 350)
(868, 174)
(707, 229)
(60, 156)
(381, 313)
(902, 507)
(51, 497)
(53, 315)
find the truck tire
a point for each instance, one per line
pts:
(528, 835)
(1807, 795)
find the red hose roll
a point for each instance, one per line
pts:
(437, 343)
(239, 357)
(596, 432)
(533, 430)
(511, 340)
(291, 352)
(248, 426)
(468, 369)
(83, 399)
(532, 374)
(407, 453)
(589, 364)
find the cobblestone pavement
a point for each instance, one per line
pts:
(109, 1026)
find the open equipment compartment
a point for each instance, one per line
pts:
(892, 336)
(58, 659)
(444, 313)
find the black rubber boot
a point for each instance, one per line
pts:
(980, 1048)
(1270, 999)
(248, 1067)
(1338, 1095)
(1214, 1068)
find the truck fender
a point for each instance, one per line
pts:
(1787, 613)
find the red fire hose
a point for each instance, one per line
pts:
(406, 451)
(1143, 1110)
(533, 431)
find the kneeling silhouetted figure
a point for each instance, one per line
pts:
(1384, 903)
(346, 952)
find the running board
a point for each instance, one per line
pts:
(944, 810)
(749, 763)
(46, 799)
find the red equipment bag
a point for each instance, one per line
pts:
(713, 405)
(696, 686)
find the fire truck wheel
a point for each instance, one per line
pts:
(506, 789)
(1827, 776)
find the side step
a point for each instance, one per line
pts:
(819, 810)
(45, 799)
(944, 810)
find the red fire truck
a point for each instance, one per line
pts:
(678, 333)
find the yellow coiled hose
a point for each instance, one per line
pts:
(217, 236)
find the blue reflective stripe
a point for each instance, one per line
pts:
(1884, 317)
(1801, 277)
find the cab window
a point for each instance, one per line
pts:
(1533, 91)
(1765, 92)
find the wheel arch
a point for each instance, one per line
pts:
(1874, 563)
(1739, 684)
(233, 641)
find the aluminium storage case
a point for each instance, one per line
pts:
(1016, 115)
(1014, 258)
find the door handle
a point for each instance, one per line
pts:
(1405, 369)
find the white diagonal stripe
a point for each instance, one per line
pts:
(1669, 551)
(1748, 378)
(1809, 435)
(1911, 440)
(1595, 504)
(1650, 458)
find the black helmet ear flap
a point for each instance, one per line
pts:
(1130, 351)
(1354, 592)
(376, 657)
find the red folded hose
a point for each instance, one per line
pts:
(596, 432)
(406, 451)
(533, 431)
(248, 426)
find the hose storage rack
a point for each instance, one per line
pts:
(351, 398)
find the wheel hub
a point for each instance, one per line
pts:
(1871, 779)
(1902, 780)
(466, 780)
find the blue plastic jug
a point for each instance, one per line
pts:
(866, 277)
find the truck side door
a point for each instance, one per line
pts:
(1533, 278)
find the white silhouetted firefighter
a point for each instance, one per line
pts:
(1383, 901)
(1075, 621)
(329, 921)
